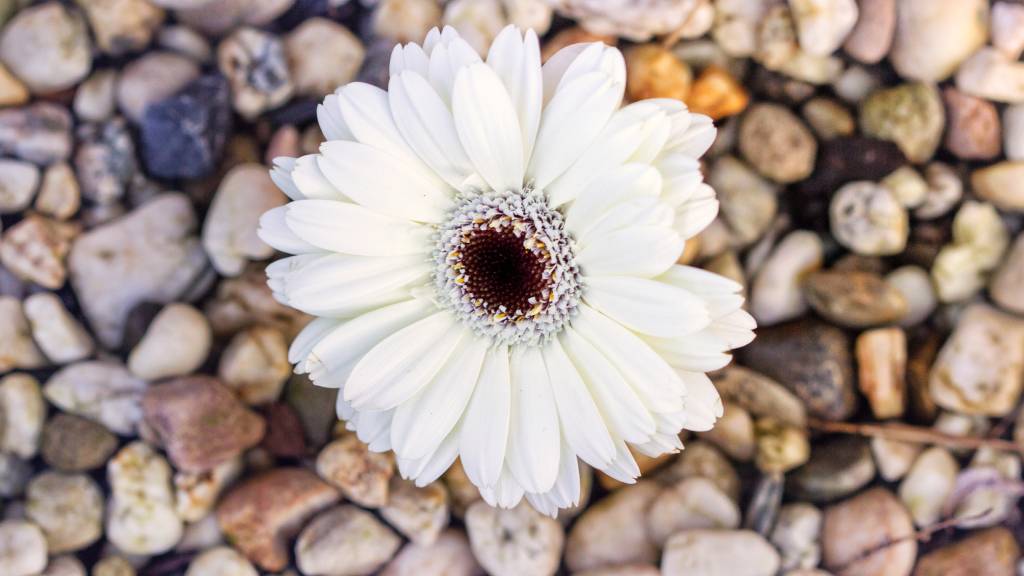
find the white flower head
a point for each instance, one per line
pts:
(490, 248)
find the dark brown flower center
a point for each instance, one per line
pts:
(502, 273)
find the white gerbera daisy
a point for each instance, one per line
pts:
(490, 248)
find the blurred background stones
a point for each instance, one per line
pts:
(870, 170)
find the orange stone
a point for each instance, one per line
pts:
(652, 71)
(717, 94)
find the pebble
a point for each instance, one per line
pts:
(112, 272)
(776, 294)
(733, 433)
(200, 422)
(95, 98)
(344, 540)
(778, 49)
(978, 369)
(1007, 28)
(991, 75)
(122, 26)
(911, 115)
(812, 360)
(604, 534)
(517, 541)
(322, 55)
(823, 25)
(893, 458)
(838, 467)
(74, 444)
(653, 71)
(735, 26)
(781, 447)
(717, 93)
(907, 184)
(1005, 287)
(254, 63)
(747, 202)
(477, 21)
(140, 517)
(18, 183)
(195, 493)
(776, 143)
(102, 391)
(701, 459)
(14, 475)
(22, 548)
(973, 130)
(420, 514)
(927, 485)
(68, 508)
(39, 133)
(450, 555)
(34, 250)
(255, 365)
(854, 299)
(828, 118)
(881, 368)
(184, 135)
(857, 536)
(719, 553)
(872, 36)
(933, 38)
(217, 19)
(64, 566)
(12, 91)
(1013, 132)
(59, 196)
(22, 414)
(247, 301)
(152, 78)
(47, 47)
(868, 219)
(229, 233)
(945, 190)
(362, 476)
(57, 333)
(113, 566)
(405, 20)
(692, 503)
(796, 536)
(220, 561)
(260, 515)
(759, 395)
(176, 343)
(1000, 184)
(985, 504)
(992, 552)
(17, 350)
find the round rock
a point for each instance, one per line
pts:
(837, 468)
(868, 219)
(47, 47)
(68, 508)
(175, 344)
(75, 444)
(344, 540)
(776, 143)
(857, 536)
(911, 115)
(719, 553)
(516, 541)
(933, 38)
(854, 299)
(22, 548)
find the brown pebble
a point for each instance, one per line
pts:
(854, 299)
(973, 131)
(992, 552)
(855, 527)
(655, 72)
(717, 94)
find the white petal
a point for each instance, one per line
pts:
(555, 67)
(328, 115)
(367, 114)
(640, 211)
(624, 467)
(736, 329)
(310, 336)
(701, 351)
(697, 212)
(485, 426)
(423, 422)
(700, 282)
(281, 174)
(578, 60)
(701, 394)
(581, 422)
(409, 57)
(566, 490)
(644, 251)
(397, 368)
(654, 381)
(432, 467)
(695, 140)
(619, 404)
(372, 428)
(506, 493)
(446, 60)
(647, 306)
(516, 60)
(275, 232)
(352, 229)
(488, 127)
(616, 185)
(384, 183)
(311, 182)
(427, 125)
(532, 455)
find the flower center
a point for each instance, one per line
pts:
(505, 266)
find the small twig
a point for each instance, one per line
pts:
(913, 434)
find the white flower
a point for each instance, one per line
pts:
(490, 248)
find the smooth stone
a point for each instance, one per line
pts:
(344, 541)
(868, 219)
(911, 115)
(961, 268)
(735, 26)
(140, 516)
(796, 535)
(112, 271)
(102, 391)
(185, 41)
(1013, 132)
(828, 118)
(747, 202)
(122, 26)
(978, 369)
(59, 335)
(872, 36)
(613, 531)
(973, 131)
(759, 395)
(260, 515)
(450, 555)
(14, 475)
(693, 503)
(515, 541)
(857, 536)
(362, 476)
(216, 19)
(22, 414)
(988, 505)
(152, 78)
(17, 350)
(781, 447)
(68, 508)
(113, 566)
(928, 484)
(812, 360)
(22, 548)
(255, 365)
(13, 92)
(779, 50)
(1006, 284)
(893, 458)
(701, 459)
(75, 444)
(915, 284)
(1007, 28)
(1000, 184)
(176, 343)
(247, 300)
(322, 55)
(184, 135)
(34, 250)
(95, 98)
(220, 561)
(854, 299)
(47, 47)
(229, 232)
(200, 422)
(933, 38)
(908, 185)
(18, 185)
(992, 552)
(405, 20)
(881, 367)
(66, 565)
(719, 553)
(420, 514)
(718, 94)
(837, 468)
(653, 71)
(776, 143)
(254, 63)
(59, 196)
(39, 133)
(991, 75)
(776, 294)
(195, 493)
(823, 25)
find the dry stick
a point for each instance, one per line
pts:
(913, 434)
